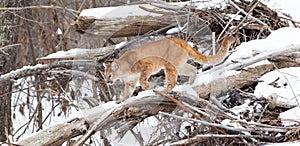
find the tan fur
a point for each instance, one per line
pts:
(169, 53)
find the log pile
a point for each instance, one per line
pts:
(204, 116)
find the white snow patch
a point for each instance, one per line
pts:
(242, 108)
(102, 107)
(287, 83)
(208, 78)
(62, 54)
(290, 117)
(277, 39)
(186, 89)
(290, 7)
(120, 45)
(230, 123)
(234, 16)
(22, 70)
(58, 31)
(173, 30)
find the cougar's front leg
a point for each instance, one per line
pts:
(171, 76)
(144, 76)
(129, 87)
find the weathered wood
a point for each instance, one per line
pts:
(122, 27)
(125, 21)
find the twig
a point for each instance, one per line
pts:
(250, 16)
(196, 109)
(210, 106)
(227, 25)
(8, 46)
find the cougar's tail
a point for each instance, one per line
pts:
(213, 59)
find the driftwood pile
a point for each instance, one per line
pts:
(256, 22)
(198, 116)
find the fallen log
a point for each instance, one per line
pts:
(137, 21)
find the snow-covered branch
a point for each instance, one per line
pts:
(37, 69)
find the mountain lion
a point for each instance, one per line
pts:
(168, 53)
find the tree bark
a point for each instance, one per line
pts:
(8, 53)
(132, 25)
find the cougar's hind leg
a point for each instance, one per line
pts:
(171, 76)
(191, 71)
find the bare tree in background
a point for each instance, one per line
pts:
(8, 53)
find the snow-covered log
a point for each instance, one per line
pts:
(124, 21)
(251, 74)
(124, 115)
(39, 68)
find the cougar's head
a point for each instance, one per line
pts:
(112, 72)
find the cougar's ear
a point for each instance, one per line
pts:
(114, 66)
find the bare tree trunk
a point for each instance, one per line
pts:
(8, 53)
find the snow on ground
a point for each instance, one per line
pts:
(23, 111)
(290, 117)
(277, 39)
(282, 86)
(284, 83)
(290, 7)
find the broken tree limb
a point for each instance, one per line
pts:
(79, 53)
(137, 22)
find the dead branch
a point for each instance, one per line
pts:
(39, 68)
